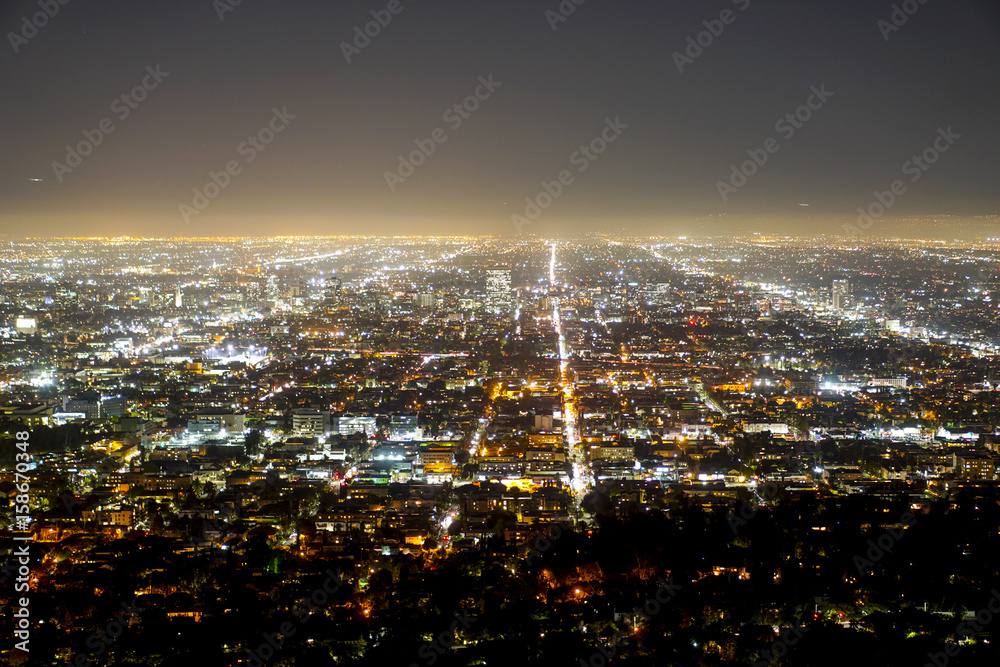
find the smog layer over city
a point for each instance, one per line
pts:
(557, 333)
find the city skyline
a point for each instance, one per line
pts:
(471, 333)
(370, 450)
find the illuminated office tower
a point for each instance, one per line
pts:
(333, 290)
(841, 294)
(498, 292)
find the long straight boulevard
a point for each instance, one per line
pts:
(581, 481)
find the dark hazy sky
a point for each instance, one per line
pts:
(325, 172)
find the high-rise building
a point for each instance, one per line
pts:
(271, 294)
(255, 293)
(841, 295)
(334, 288)
(498, 292)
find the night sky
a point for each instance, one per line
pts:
(325, 172)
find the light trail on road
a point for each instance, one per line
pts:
(581, 470)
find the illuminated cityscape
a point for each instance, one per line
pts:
(533, 333)
(216, 423)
